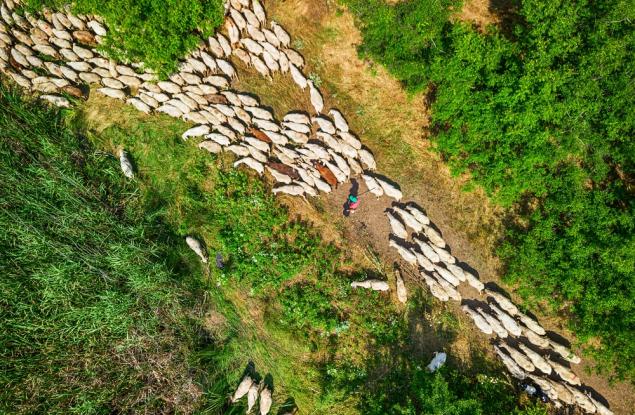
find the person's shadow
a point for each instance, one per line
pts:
(353, 192)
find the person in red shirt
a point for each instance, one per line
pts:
(352, 203)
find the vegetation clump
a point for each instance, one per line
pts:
(541, 111)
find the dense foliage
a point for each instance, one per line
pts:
(542, 114)
(156, 32)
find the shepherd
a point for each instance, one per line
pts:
(352, 202)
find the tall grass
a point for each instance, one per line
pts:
(96, 293)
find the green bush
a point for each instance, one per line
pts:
(156, 32)
(308, 308)
(542, 117)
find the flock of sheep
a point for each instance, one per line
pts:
(54, 54)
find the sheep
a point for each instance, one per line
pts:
(437, 361)
(126, 164)
(281, 34)
(563, 351)
(531, 323)
(270, 61)
(519, 358)
(449, 288)
(243, 388)
(427, 250)
(324, 123)
(435, 288)
(564, 372)
(408, 219)
(601, 409)
(252, 46)
(418, 214)
(177, 103)
(545, 385)
(251, 18)
(447, 275)
(265, 401)
(480, 322)
(339, 160)
(139, 105)
(347, 150)
(582, 400)
(280, 177)
(238, 19)
(196, 246)
(296, 137)
(564, 394)
(316, 98)
(434, 236)
(165, 109)
(423, 261)
(119, 94)
(396, 226)
(534, 338)
(259, 112)
(56, 100)
(239, 150)
(292, 189)
(169, 87)
(273, 51)
(536, 359)
(376, 285)
(251, 163)
(404, 252)
(339, 174)
(277, 138)
(210, 146)
(353, 141)
(372, 185)
(308, 189)
(444, 255)
(322, 185)
(503, 301)
(260, 66)
(259, 11)
(260, 145)
(252, 396)
(257, 154)
(508, 322)
(497, 327)
(320, 152)
(402, 293)
(456, 270)
(515, 370)
(389, 189)
(355, 166)
(299, 127)
(296, 117)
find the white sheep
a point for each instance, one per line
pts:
(251, 163)
(376, 285)
(396, 226)
(480, 322)
(508, 322)
(389, 189)
(126, 164)
(522, 360)
(252, 396)
(373, 186)
(408, 219)
(565, 373)
(340, 121)
(536, 359)
(196, 246)
(404, 252)
(316, 97)
(497, 327)
(198, 131)
(265, 401)
(515, 370)
(503, 301)
(435, 288)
